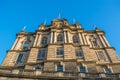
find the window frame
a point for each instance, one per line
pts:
(60, 68)
(75, 39)
(83, 69)
(100, 55)
(19, 59)
(44, 40)
(41, 54)
(60, 51)
(79, 53)
(60, 38)
(25, 45)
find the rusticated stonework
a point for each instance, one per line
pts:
(61, 51)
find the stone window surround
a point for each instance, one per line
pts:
(44, 53)
(108, 67)
(60, 63)
(83, 65)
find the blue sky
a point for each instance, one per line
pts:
(15, 14)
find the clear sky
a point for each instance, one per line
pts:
(15, 14)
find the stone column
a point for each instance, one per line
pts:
(65, 36)
(80, 38)
(51, 37)
(102, 41)
(55, 37)
(68, 36)
(88, 41)
(106, 41)
(14, 45)
(84, 39)
(38, 40)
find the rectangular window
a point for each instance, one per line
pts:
(101, 55)
(60, 51)
(79, 53)
(20, 58)
(108, 71)
(59, 68)
(41, 54)
(82, 69)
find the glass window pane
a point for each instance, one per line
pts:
(44, 40)
(60, 38)
(94, 43)
(60, 52)
(41, 54)
(101, 55)
(20, 58)
(59, 68)
(79, 53)
(75, 39)
(25, 46)
(82, 69)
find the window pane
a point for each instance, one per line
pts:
(108, 71)
(20, 58)
(59, 68)
(25, 46)
(44, 40)
(60, 38)
(75, 39)
(82, 69)
(60, 52)
(94, 43)
(41, 54)
(101, 55)
(79, 53)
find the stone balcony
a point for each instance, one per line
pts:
(37, 74)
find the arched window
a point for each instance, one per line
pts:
(75, 39)
(44, 40)
(60, 38)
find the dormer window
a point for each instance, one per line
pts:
(79, 54)
(60, 26)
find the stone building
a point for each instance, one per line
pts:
(61, 51)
